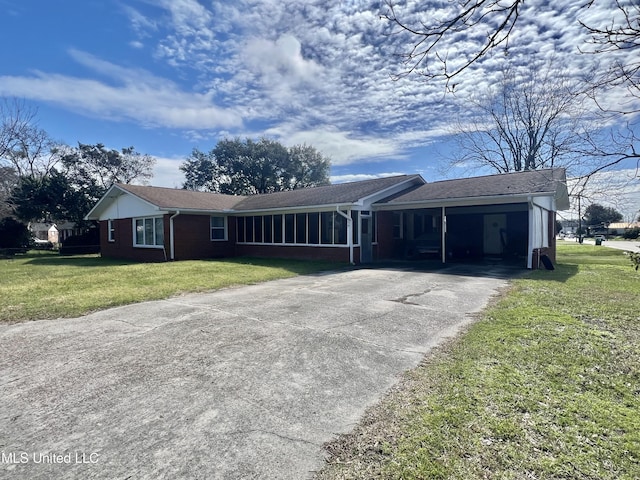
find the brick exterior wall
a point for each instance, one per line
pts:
(385, 248)
(123, 247)
(193, 238)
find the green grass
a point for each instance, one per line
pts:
(545, 385)
(44, 285)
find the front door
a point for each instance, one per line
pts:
(494, 230)
(366, 255)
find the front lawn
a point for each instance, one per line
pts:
(43, 285)
(545, 385)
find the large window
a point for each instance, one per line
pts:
(149, 232)
(314, 228)
(218, 228)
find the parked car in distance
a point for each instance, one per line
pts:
(602, 238)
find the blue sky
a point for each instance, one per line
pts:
(169, 75)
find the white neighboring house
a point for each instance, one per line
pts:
(44, 232)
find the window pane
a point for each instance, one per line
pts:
(277, 229)
(148, 231)
(301, 228)
(217, 222)
(268, 238)
(288, 228)
(257, 229)
(326, 227)
(340, 227)
(314, 228)
(374, 228)
(397, 225)
(249, 222)
(159, 234)
(217, 234)
(140, 232)
(240, 223)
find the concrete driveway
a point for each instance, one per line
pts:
(241, 383)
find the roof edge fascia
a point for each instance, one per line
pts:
(461, 201)
(385, 192)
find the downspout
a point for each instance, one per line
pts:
(531, 234)
(444, 235)
(349, 233)
(172, 247)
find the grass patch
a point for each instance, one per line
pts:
(44, 285)
(545, 385)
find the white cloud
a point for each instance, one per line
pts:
(138, 96)
(166, 172)
(362, 176)
(341, 147)
(313, 71)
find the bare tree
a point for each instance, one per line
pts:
(534, 118)
(25, 147)
(621, 37)
(432, 54)
(433, 36)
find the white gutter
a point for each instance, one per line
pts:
(349, 233)
(172, 247)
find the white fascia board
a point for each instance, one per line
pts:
(387, 192)
(311, 208)
(459, 202)
(117, 203)
(94, 213)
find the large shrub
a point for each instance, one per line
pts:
(14, 236)
(88, 242)
(632, 233)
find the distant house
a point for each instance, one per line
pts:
(44, 232)
(508, 217)
(53, 232)
(619, 228)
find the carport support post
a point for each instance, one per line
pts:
(444, 235)
(349, 232)
(172, 247)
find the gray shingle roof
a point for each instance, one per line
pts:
(516, 183)
(172, 198)
(341, 193)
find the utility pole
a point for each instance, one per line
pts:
(579, 221)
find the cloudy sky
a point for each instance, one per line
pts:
(169, 75)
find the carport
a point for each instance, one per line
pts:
(508, 218)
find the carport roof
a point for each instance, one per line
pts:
(543, 182)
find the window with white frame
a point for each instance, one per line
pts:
(149, 232)
(313, 228)
(218, 228)
(111, 229)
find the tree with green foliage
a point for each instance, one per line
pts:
(245, 167)
(96, 168)
(85, 175)
(599, 215)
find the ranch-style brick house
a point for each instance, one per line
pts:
(505, 218)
